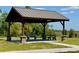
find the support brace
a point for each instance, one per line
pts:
(63, 32)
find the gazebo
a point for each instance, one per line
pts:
(29, 15)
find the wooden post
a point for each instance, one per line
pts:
(63, 32)
(23, 28)
(63, 27)
(23, 37)
(9, 36)
(44, 34)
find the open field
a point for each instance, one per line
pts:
(73, 41)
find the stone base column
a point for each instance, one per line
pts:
(23, 39)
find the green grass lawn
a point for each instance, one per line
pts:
(74, 41)
(13, 46)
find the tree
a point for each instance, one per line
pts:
(27, 7)
(50, 32)
(15, 29)
(3, 24)
(27, 29)
(37, 28)
(71, 33)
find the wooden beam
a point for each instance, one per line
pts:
(9, 36)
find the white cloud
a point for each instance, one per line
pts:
(40, 8)
(70, 8)
(64, 12)
(74, 8)
(71, 11)
(68, 12)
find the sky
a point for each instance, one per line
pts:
(71, 12)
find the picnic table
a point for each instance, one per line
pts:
(32, 35)
(51, 37)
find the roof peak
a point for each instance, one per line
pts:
(32, 9)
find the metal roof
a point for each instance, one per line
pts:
(38, 14)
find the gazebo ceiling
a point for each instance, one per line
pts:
(34, 15)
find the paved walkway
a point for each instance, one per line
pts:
(71, 48)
